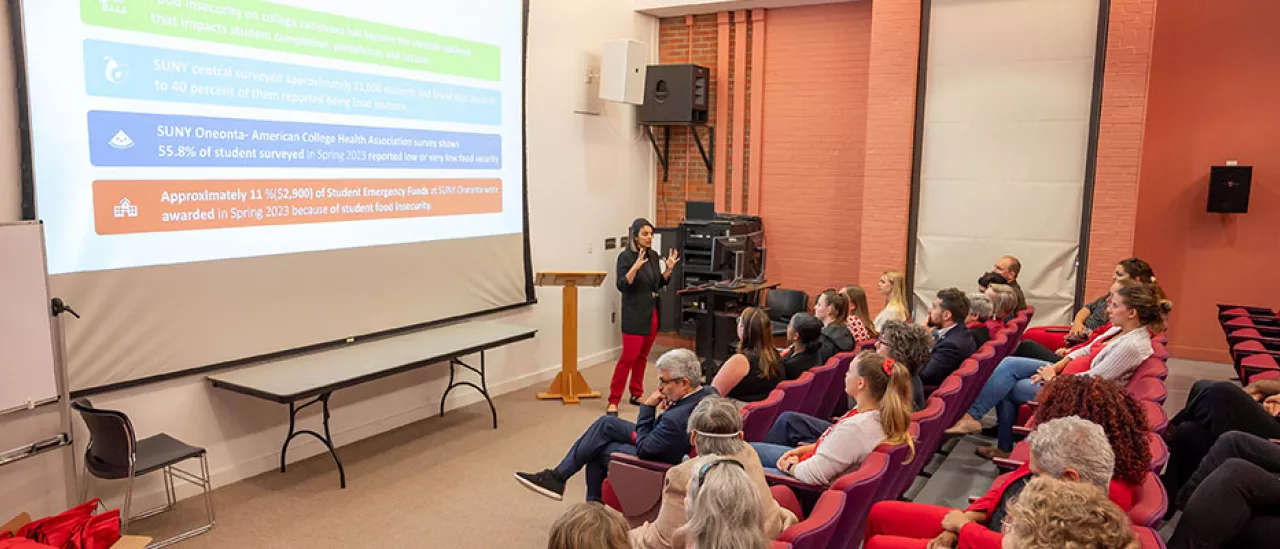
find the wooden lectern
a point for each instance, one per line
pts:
(569, 385)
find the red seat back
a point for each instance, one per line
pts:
(758, 417)
(1151, 502)
(1147, 538)
(835, 390)
(860, 488)
(823, 377)
(1157, 418)
(795, 393)
(1159, 451)
(815, 532)
(1147, 388)
(1151, 367)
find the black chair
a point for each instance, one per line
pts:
(114, 453)
(782, 304)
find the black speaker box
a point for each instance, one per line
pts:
(1229, 189)
(675, 95)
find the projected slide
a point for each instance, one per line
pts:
(173, 131)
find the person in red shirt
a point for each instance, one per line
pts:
(1072, 456)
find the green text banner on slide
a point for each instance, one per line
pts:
(226, 179)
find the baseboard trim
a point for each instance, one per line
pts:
(151, 493)
(1200, 353)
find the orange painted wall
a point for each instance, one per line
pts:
(814, 128)
(1215, 72)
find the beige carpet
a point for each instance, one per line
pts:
(442, 482)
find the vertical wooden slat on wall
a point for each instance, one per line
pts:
(739, 92)
(722, 111)
(754, 193)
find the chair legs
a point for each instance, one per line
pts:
(203, 480)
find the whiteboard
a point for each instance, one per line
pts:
(26, 328)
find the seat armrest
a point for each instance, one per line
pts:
(1021, 430)
(1006, 463)
(633, 460)
(791, 482)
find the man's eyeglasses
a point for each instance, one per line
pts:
(663, 382)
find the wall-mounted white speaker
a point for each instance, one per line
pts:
(622, 69)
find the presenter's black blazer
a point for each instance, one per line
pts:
(639, 298)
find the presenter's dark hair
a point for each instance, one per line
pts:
(636, 225)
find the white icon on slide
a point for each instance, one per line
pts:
(114, 6)
(121, 141)
(124, 209)
(116, 73)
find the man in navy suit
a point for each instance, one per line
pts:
(653, 437)
(952, 341)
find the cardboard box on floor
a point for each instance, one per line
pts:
(126, 542)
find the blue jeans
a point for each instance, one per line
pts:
(607, 435)
(769, 455)
(1009, 386)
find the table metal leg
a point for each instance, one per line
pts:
(326, 439)
(483, 387)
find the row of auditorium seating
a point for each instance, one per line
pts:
(838, 513)
(1253, 336)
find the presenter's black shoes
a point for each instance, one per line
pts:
(635, 401)
(544, 482)
(612, 410)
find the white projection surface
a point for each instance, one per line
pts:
(260, 158)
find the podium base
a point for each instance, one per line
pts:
(569, 387)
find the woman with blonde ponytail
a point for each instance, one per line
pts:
(818, 452)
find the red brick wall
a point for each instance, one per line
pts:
(679, 42)
(1124, 107)
(1211, 99)
(890, 135)
(815, 109)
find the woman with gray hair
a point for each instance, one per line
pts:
(1067, 448)
(911, 345)
(715, 430)
(722, 512)
(981, 324)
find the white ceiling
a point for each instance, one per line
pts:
(672, 8)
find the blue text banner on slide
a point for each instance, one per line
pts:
(133, 139)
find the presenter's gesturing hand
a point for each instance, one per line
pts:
(635, 267)
(673, 257)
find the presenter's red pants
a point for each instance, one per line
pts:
(902, 525)
(635, 354)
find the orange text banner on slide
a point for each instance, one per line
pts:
(569, 385)
(147, 206)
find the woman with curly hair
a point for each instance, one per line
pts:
(912, 346)
(1102, 403)
(1106, 403)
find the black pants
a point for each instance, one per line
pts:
(1233, 498)
(1033, 349)
(1213, 408)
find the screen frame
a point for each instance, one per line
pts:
(18, 35)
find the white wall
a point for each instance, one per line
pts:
(588, 177)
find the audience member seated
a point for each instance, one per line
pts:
(1053, 514)
(723, 509)
(1068, 448)
(815, 451)
(1003, 293)
(952, 342)
(1040, 342)
(715, 430)
(656, 437)
(987, 279)
(804, 334)
(1213, 408)
(1009, 267)
(832, 309)
(979, 320)
(910, 345)
(893, 286)
(1136, 314)
(589, 525)
(1233, 499)
(860, 325)
(751, 373)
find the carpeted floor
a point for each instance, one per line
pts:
(447, 482)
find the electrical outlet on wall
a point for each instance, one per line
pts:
(613, 317)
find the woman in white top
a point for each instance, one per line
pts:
(893, 286)
(882, 387)
(1137, 311)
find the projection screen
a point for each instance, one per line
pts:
(228, 180)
